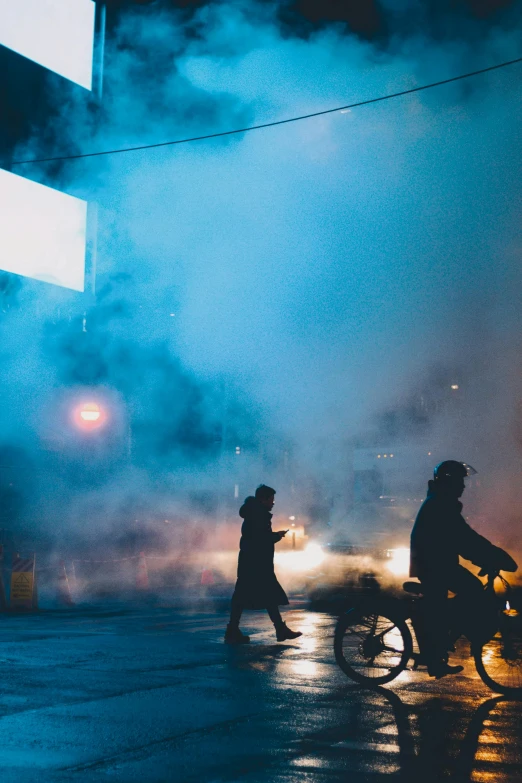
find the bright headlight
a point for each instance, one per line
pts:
(399, 561)
(308, 558)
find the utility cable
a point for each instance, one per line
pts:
(272, 124)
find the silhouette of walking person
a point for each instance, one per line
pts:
(257, 586)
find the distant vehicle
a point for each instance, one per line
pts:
(348, 570)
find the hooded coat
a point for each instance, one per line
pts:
(440, 534)
(257, 586)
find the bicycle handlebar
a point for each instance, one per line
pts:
(492, 575)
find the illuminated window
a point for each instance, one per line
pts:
(42, 232)
(58, 34)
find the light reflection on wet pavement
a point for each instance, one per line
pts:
(155, 695)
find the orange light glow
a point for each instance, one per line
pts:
(89, 415)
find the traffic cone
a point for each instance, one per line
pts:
(207, 577)
(142, 575)
(64, 591)
(73, 582)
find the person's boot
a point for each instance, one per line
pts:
(234, 636)
(440, 669)
(283, 633)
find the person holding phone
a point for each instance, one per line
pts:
(257, 586)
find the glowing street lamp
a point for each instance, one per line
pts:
(90, 412)
(89, 415)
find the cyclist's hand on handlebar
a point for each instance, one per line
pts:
(503, 561)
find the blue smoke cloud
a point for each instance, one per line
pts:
(327, 268)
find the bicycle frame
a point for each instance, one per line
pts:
(490, 627)
(490, 623)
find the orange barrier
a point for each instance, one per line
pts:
(72, 580)
(65, 580)
(142, 574)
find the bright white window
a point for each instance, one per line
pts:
(58, 34)
(42, 232)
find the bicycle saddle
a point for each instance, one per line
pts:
(413, 587)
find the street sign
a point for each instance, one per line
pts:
(22, 583)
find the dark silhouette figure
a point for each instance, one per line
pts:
(257, 586)
(440, 534)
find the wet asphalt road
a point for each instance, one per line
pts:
(154, 695)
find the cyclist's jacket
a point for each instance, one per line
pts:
(440, 534)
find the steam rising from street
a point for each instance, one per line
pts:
(297, 292)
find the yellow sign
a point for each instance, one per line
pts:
(22, 585)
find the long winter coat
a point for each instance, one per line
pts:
(440, 534)
(257, 586)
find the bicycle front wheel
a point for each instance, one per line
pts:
(371, 646)
(499, 661)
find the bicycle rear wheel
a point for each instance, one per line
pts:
(499, 661)
(371, 646)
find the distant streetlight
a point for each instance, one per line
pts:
(91, 412)
(89, 416)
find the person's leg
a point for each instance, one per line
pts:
(463, 582)
(283, 632)
(435, 622)
(436, 628)
(275, 616)
(472, 611)
(236, 610)
(232, 634)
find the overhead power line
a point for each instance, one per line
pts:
(274, 122)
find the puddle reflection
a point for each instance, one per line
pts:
(431, 740)
(303, 667)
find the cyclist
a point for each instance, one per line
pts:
(440, 534)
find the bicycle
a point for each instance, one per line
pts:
(373, 641)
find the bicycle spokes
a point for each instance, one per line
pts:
(499, 661)
(371, 647)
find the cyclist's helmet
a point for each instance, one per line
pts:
(450, 469)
